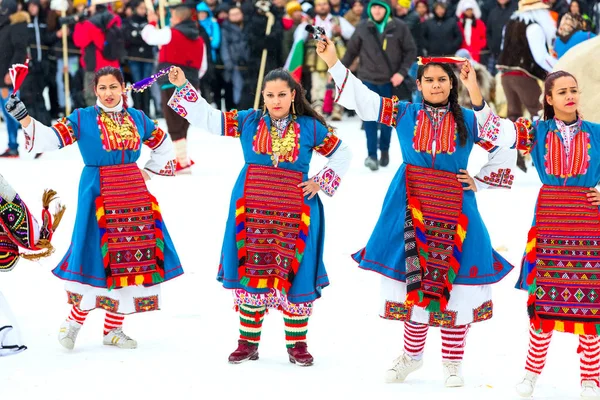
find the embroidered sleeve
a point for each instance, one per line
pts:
(40, 138)
(339, 157)
(388, 111)
(329, 144)
(230, 124)
(188, 103)
(328, 180)
(525, 135)
(354, 95)
(162, 157)
(493, 129)
(498, 171)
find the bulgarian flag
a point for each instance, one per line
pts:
(295, 59)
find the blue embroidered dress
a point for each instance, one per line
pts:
(120, 250)
(561, 265)
(430, 243)
(272, 251)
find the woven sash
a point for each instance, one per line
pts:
(271, 227)
(563, 262)
(435, 205)
(130, 228)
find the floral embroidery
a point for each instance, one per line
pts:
(328, 180)
(330, 144)
(524, 130)
(502, 178)
(491, 128)
(230, 124)
(272, 299)
(435, 125)
(64, 131)
(187, 93)
(388, 111)
(168, 169)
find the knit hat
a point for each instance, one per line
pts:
(528, 5)
(292, 7)
(404, 3)
(77, 3)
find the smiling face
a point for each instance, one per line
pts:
(564, 96)
(109, 91)
(278, 98)
(435, 84)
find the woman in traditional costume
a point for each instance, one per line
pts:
(19, 230)
(272, 255)
(430, 243)
(561, 265)
(120, 251)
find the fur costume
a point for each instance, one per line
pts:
(576, 62)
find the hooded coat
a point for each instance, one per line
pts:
(392, 35)
(14, 37)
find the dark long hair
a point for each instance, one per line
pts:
(548, 86)
(116, 72)
(302, 105)
(452, 98)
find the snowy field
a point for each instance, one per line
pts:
(183, 348)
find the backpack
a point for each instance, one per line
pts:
(114, 44)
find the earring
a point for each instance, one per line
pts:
(293, 109)
(264, 108)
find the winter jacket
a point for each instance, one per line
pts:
(367, 43)
(89, 36)
(441, 36)
(413, 21)
(478, 39)
(136, 46)
(234, 47)
(578, 37)
(53, 28)
(39, 39)
(212, 28)
(497, 18)
(14, 39)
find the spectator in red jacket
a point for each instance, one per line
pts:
(472, 27)
(90, 37)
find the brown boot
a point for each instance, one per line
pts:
(299, 355)
(245, 351)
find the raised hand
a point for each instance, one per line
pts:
(177, 76)
(469, 78)
(326, 50)
(15, 107)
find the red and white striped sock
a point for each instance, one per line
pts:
(589, 348)
(538, 351)
(112, 321)
(453, 342)
(415, 336)
(78, 315)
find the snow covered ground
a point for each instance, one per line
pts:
(183, 349)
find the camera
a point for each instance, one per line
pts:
(73, 19)
(316, 31)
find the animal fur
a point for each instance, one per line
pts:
(576, 61)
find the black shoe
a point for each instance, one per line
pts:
(10, 153)
(384, 160)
